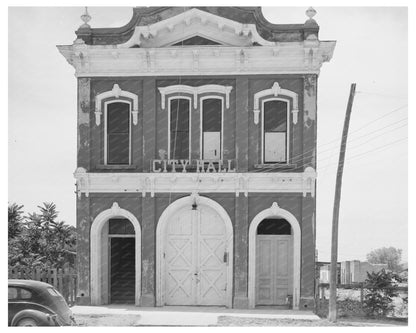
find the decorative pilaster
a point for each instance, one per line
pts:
(83, 135)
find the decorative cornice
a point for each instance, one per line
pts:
(116, 92)
(302, 182)
(276, 91)
(292, 57)
(195, 91)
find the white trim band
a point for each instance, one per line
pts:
(179, 182)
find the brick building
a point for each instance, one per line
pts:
(196, 159)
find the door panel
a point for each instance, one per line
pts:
(264, 270)
(275, 147)
(179, 260)
(274, 269)
(212, 276)
(212, 146)
(194, 258)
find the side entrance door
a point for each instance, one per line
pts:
(196, 258)
(274, 269)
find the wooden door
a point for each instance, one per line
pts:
(274, 269)
(212, 259)
(194, 258)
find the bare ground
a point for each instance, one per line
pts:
(134, 320)
(235, 321)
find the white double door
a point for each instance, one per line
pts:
(196, 258)
(274, 269)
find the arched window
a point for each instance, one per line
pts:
(117, 132)
(274, 226)
(275, 131)
(179, 115)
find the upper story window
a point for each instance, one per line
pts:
(275, 131)
(211, 124)
(277, 108)
(117, 133)
(117, 105)
(179, 128)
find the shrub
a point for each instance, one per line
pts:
(380, 290)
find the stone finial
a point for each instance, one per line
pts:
(85, 18)
(310, 12)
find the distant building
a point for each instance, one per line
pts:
(323, 271)
(196, 159)
(355, 271)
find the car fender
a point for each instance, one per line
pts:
(42, 318)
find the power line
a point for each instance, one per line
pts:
(381, 94)
(299, 156)
(377, 149)
(303, 154)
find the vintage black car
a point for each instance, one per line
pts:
(35, 303)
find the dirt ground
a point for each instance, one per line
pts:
(133, 320)
(233, 321)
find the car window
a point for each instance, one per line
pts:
(12, 293)
(25, 294)
(53, 292)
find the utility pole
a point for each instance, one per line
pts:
(332, 316)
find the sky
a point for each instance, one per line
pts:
(371, 51)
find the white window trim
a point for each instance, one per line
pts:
(201, 137)
(105, 128)
(190, 122)
(194, 92)
(275, 90)
(287, 128)
(116, 92)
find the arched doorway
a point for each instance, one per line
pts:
(274, 262)
(115, 257)
(274, 258)
(194, 254)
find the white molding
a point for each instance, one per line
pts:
(195, 22)
(98, 61)
(194, 92)
(105, 128)
(287, 127)
(116, 92)
(189, 127)
(201, 139)
(160, 232)
(96, 251)
(179, 182)
(274, 211)
(275, 91)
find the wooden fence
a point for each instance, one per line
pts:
(63, 279)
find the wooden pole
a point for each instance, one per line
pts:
(332, 316)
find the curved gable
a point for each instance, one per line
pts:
(144, 17)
